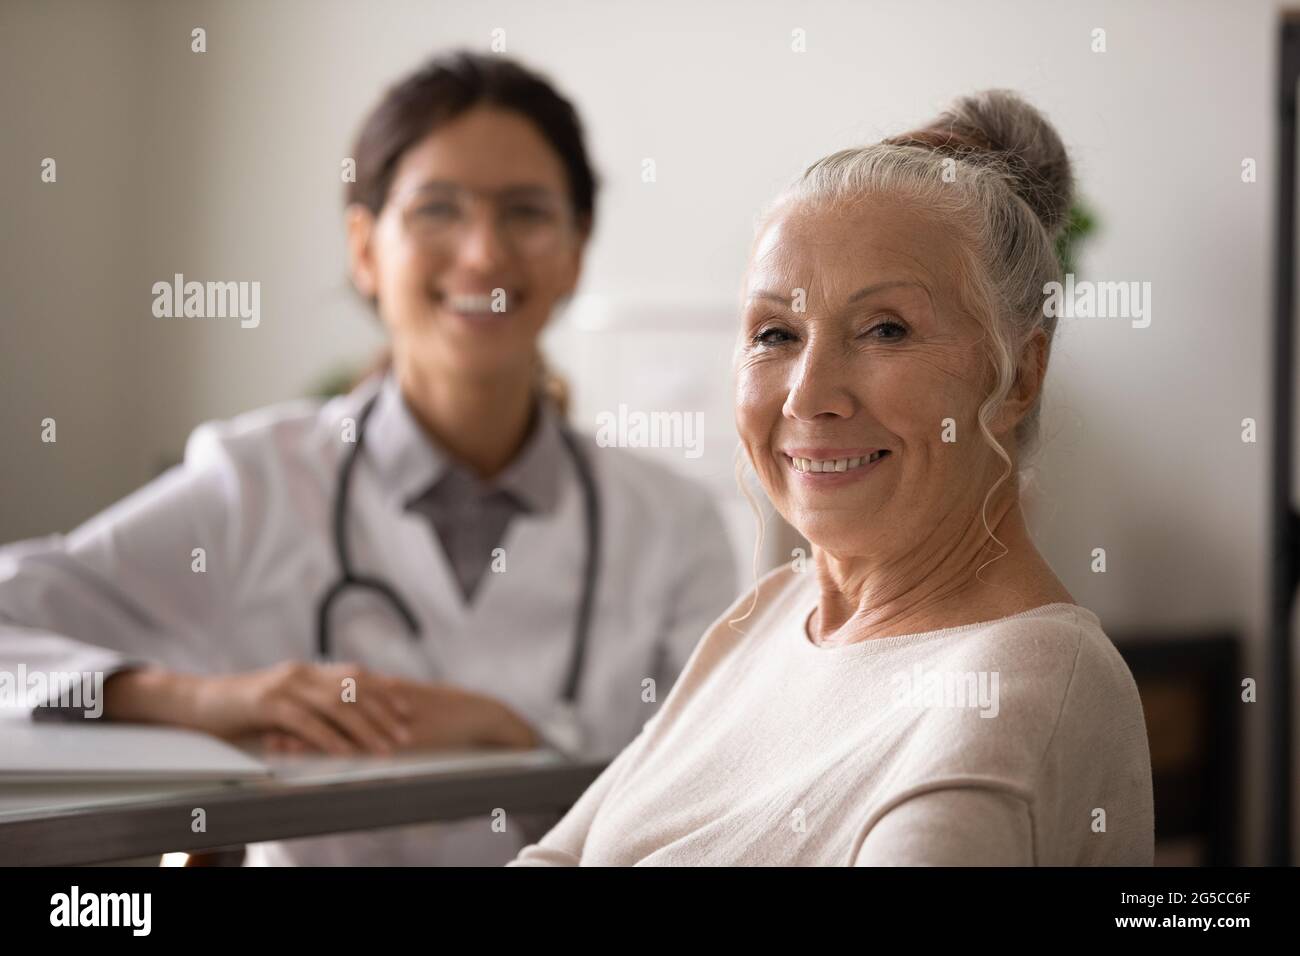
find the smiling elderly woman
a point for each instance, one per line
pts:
(931, 694)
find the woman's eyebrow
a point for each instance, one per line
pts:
(860, 294)
(515, 190)
(431, 185)
(771, 296)
(881, 286)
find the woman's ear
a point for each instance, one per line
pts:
(360, 224)
(1032, 365)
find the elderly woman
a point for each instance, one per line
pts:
(930, 693)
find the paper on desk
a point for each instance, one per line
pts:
(73, 752)
(322, 768)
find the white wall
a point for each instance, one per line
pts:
(226, 165)
(70, 335)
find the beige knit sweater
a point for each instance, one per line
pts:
(1019, 741)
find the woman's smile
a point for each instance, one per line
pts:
(480, 308)
(831, 468)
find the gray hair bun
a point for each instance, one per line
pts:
(1000, 127)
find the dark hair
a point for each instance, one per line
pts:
(448, 85)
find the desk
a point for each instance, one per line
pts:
(74, 824)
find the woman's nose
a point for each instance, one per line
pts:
(820, 384)
(481, 244)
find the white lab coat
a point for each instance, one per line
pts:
(256, 492)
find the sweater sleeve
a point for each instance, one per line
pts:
(563, 844)
(952, 826)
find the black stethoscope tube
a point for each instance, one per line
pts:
(350, 579)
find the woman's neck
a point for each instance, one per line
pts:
(480, 421)
(936, 586)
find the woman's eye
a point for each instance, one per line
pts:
(437, 210)
(528, 213)
(898, 330)
(772, 336)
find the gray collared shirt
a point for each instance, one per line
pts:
(470, 516)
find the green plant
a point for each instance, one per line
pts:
(336, 381)
(1081, 224)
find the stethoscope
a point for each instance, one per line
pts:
(348, 578)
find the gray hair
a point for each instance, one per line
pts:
(995, 171)
(992, 168)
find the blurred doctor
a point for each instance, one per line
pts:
(438, 535)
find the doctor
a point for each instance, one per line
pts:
(437, 535)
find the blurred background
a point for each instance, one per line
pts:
(227, 164)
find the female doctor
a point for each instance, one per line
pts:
(438, 535)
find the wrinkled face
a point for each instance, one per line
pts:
(852, 355)
(476, 244)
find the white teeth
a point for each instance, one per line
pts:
(469, 303)
(836, 464)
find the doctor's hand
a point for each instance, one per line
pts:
(336, 708)
(448, 717)
(304, 707)
(440, 717)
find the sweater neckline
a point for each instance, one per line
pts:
(879, 644)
